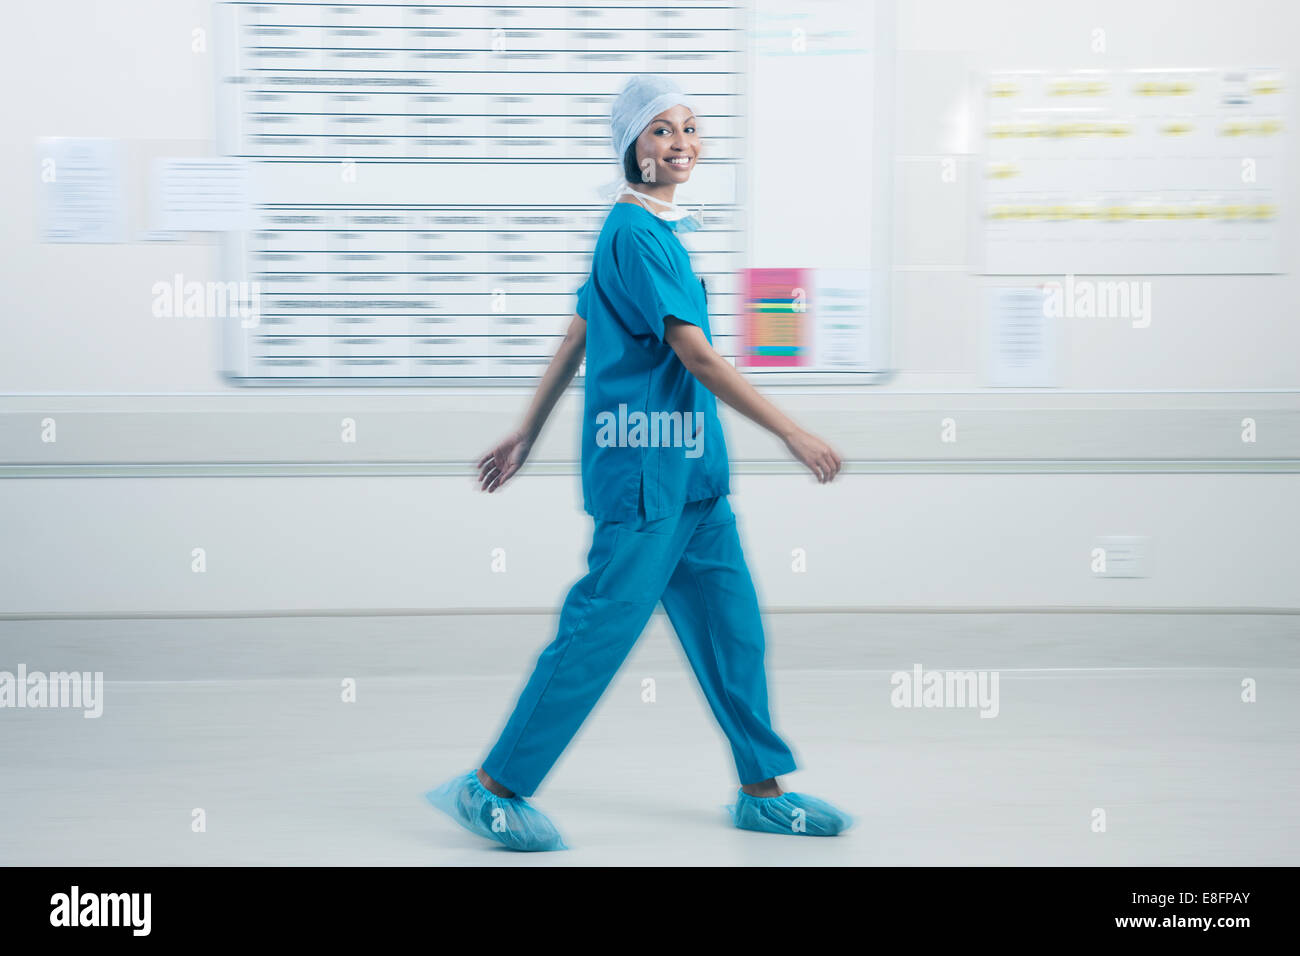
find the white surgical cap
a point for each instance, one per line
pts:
(643, 98)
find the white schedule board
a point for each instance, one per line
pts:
(1159, 171)
(424, 178)
(819, 167)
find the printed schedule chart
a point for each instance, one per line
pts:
(1141, 171)
(424, 179)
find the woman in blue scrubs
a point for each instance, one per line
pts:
(655, 479)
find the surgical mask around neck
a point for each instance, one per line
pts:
(677, 218)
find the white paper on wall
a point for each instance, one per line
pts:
(1139, 171)
(1019, 339)
(200, 195)
(842, 309)
(81, 194)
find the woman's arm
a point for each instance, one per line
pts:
(721, 378)
(564, 365)
(509, 455)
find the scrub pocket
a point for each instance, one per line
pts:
(639, 569)
(717, 512)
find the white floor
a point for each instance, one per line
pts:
(1138, 715)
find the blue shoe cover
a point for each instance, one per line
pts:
(793, 813)
(512, 823)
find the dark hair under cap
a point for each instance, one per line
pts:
(631, 171)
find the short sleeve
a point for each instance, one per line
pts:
(655, 285)
(583, 293)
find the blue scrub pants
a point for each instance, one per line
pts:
(692, 561)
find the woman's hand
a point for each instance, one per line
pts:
(820, 458)
(721, 377)
(496, 467)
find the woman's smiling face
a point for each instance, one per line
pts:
(668, 148)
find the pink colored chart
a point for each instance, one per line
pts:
(777, 318)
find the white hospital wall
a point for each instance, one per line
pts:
(76, 319)
(122, 546)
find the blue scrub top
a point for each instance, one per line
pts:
(650, 430)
